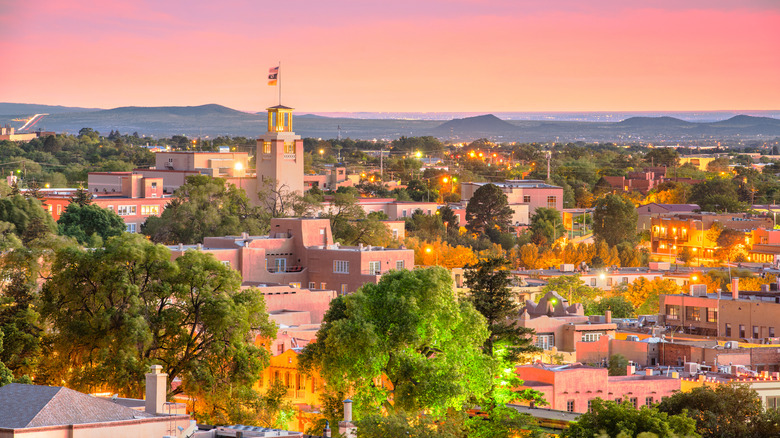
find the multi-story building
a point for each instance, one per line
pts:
(133, 197)
(573, 387)
(744, 315)
(302, 253)
(645, 213)
(561, 327)
(524, 196)
(671, 235)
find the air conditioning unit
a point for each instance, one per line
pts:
(731, 345)
(699, 290)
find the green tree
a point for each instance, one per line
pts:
(410, 330)
(716, 195)
(546, 226)
(614, 219)
(666, 157)
(205, 206)
(488, 208)
(623, 420)
(114, 311)
(488, 282)
(619, 306)
(573, 289)
(82, 197)
(82, 222)
(720, 412)
(26, 213)
(617, 365)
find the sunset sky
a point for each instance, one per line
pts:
(395, 55)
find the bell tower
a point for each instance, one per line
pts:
(279, 155)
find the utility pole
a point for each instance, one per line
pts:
(381, 162)
(549, 154)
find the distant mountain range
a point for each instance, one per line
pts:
(214, 120)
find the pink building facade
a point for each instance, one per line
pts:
(572, 387)
(301, 253)
(524, 196)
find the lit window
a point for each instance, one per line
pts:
(266, 147)
(552, 202)
(126, 210)
(149, 210)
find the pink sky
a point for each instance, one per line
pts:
(399, 55)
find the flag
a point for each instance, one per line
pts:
(273, 75)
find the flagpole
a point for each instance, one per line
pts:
(280, 83)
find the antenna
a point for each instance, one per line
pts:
(339, 133)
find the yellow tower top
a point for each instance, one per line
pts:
(280, 119)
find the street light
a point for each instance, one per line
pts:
(429, 249)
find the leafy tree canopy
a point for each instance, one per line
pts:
(82, 222)
(614, 219)
(410, 331)
(115, 311)
(205, 206)
(623, 420)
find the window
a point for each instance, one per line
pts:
(712, 314)
(527, 199)
(395, 234)
(226, 263)
(289, 147)
(672, 312)
(624, 280)
(771, 332)
(591, 337)
(266, 147)
(609, 281)
(545, 342)
(340, 267)
(126, 210)
(343, 289)
(634, 402)
(154, 185)
(773, 402)
(648, 401)
(295, 284)
(59, 209)
(692, 313)
(593, 281)
(728, 330)
(590, 405)
(130, 228)
(279, 350)
(741, 331)
(755, 332)
(552, 202)
(399, 264)
(312, 285)
(570, 406)
(110, 207)
(322, 286)
(280, 265)
(375, 268)
(403, 213)
(147, 210)
(618, 400)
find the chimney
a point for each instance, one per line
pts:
(630, 369)
(608, 316)
(648, 371)
(347, 429)
(735, 288)
(156, 383)
(181, 247)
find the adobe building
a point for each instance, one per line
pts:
(133, 197)
(645, 213)
(300, 252)
(750, 316)
(524, 196)
(573, 387)
(561, 327)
